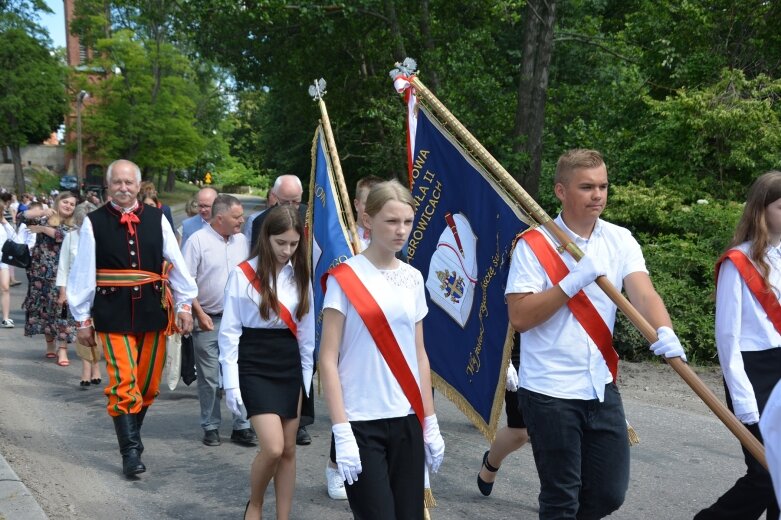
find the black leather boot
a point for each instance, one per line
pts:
(140, 421)
(129, 444)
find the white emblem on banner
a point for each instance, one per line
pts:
(452, 273)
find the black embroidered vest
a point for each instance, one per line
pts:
(128, 309)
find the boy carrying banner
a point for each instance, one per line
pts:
(568, 368)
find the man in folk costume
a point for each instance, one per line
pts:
(568, 368)
(130, 284)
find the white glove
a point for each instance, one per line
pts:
(233, 400)
(585, 271)
(348, 458)
(748, 418)
(668, 344)
(511, 383)
(433, 442)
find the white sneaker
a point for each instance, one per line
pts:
(335, 484)
(7, 324)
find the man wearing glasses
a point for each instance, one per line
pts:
(205, 200)
(287, 189)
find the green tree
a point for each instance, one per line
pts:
(138, 115)
(159, 102)
(711, 140)
(283, 47)
(32, 87)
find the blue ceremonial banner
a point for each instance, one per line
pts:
(330, 243)
(461, 241)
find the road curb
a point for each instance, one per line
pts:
(16, 501)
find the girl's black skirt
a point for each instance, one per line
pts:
(270, 376)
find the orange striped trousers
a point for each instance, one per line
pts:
(134, 364)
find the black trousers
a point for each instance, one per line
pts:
(390, 486)
(753, 493)
(581, 450)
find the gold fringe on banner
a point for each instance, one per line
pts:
(428, 499)
(634, 438)
(488, 429)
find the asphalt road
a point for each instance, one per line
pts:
(60, 441)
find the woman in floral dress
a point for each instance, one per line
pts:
(44, 315)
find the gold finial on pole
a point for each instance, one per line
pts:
(317, 91)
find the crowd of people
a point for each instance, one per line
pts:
(242, 287)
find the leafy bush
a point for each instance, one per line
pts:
(233, 172)
(708, 139)
(681, 243)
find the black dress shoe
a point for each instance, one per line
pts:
(96, 381)
(211, 438)
(84, 383)
(245, 437)
(302, 437)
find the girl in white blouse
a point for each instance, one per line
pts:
(266, 342)
(748, 337)
(90, 371)
(384, 430)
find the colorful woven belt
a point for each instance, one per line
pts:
(136, 278)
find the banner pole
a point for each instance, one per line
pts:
(317, 91)
(538, 214)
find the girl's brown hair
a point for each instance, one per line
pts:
(752, 226)
(279, 220)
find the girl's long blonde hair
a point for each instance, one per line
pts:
(56, 219)
(752, 226)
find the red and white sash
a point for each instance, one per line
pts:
(580, 306)
(377, 323)
(284, 313)
(755, 283)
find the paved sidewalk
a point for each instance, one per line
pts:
(16, 501)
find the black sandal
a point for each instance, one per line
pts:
(486, 487)
(84, 383)
(96, 381)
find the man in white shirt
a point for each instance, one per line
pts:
(205, 198)
(567, 393)
(210, 254)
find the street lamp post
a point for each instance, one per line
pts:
(79, 164)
